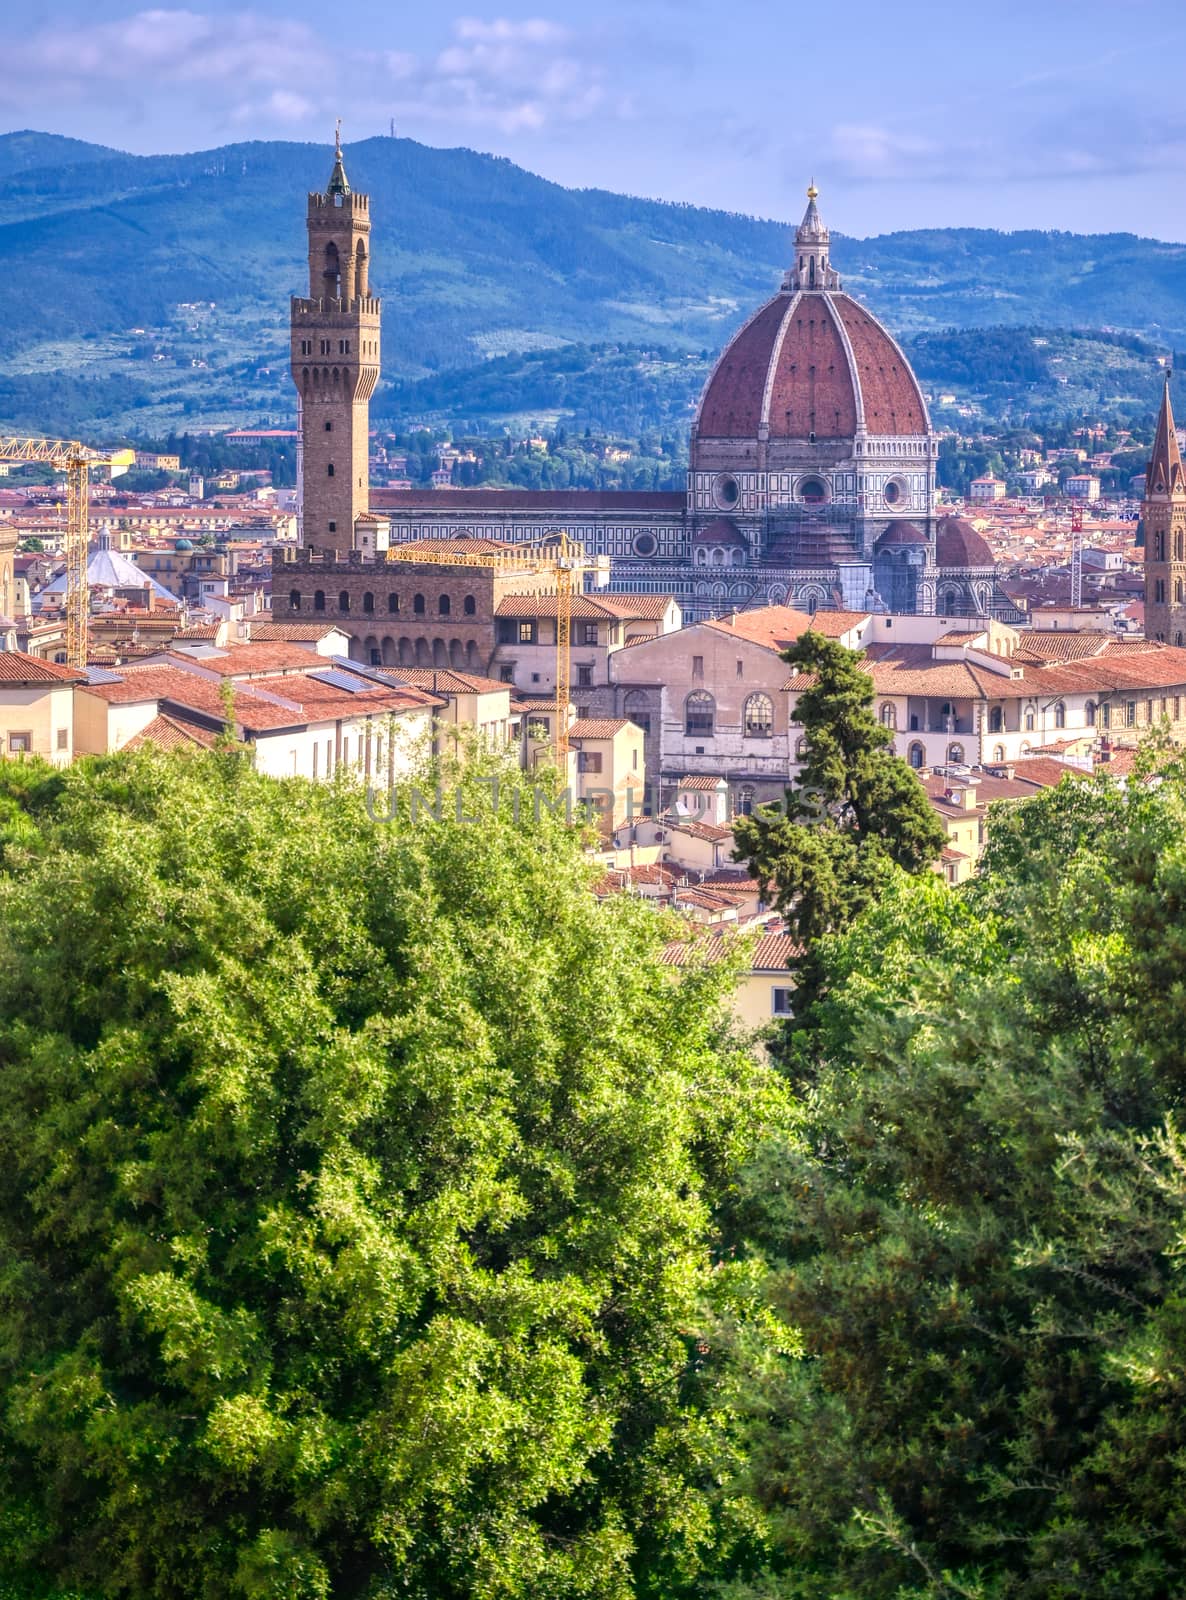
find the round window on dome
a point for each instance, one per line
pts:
(895, 492)
(814, 491)
(726, 492)
(645, 544)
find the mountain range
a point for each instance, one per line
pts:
(136, 290)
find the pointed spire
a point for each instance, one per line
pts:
(810, 269)
(338, 182)
(1166, 474)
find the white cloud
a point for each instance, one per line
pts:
(512, 75)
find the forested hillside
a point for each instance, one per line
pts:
(171, 275)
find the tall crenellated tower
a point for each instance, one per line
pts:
(335, 364)
(1163, 514)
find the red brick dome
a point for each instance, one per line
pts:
(957, 544)
(901, 533)
(719, 531)
(811, 363)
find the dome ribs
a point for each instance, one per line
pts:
(893, 400)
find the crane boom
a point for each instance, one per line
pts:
(566, 560)
(75, 460)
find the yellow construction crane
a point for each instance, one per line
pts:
(558, 555)
(75, 460)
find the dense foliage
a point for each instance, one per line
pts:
(356, 1189)
(979, 1232)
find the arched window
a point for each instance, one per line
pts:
(1060, 715)
(759, 716)
(1029, 720)
(1177, 591)
(699, 714)
(443, 606)
(636, 706)
(888, 714)
(801, 747)
(329, 471)
(1178, 639)
(392, 604)
(998, 752)
(368, 601)
(955, 755)
(1179, 546)
(344, 601)
(1159, 547)
(745, 800)
(333, 272)
(418, 604)
(996, 720)
(915, 755)
(1159, 591)
(294, 600)
(812, 604)
(319, 600)
(1089, 713)
(470, 606)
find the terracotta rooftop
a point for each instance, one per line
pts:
(19, 669)
(593, 728)
(171, 733)
(544, 501)
(445, 680)
(773, 627)
(772, 953)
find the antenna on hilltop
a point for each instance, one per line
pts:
(393, 127)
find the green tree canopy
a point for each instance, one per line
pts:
(856, 814)
(979, 1233)
(355, 1199)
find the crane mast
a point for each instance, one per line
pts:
(561, 556)
(75, 460)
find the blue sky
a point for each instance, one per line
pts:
(1025, 113)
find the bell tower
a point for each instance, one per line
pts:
(1163, 514)
(335, 363)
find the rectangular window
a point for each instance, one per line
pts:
(63, 738)
(780, 1002)
(506, 674)
(345, 752)
(741, 669)
(20, 743)
(1148, 711)
(698, 666)
(641, 719)
(1130, 714)
(527, 633)
(584, 677)
(1177, 707)
(588, 633)
(588, 760)
(314, 763)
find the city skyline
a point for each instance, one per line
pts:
(917, 120)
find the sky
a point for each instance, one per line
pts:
(1020, 114)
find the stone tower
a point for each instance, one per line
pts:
(1164, 518)
(335, 364)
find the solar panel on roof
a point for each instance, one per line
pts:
(101, 675)
(342, 680)
(361, 670)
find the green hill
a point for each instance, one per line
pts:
(161, 282)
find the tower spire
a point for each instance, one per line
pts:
(1166, 474)
(810, 268)
(338, 182)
